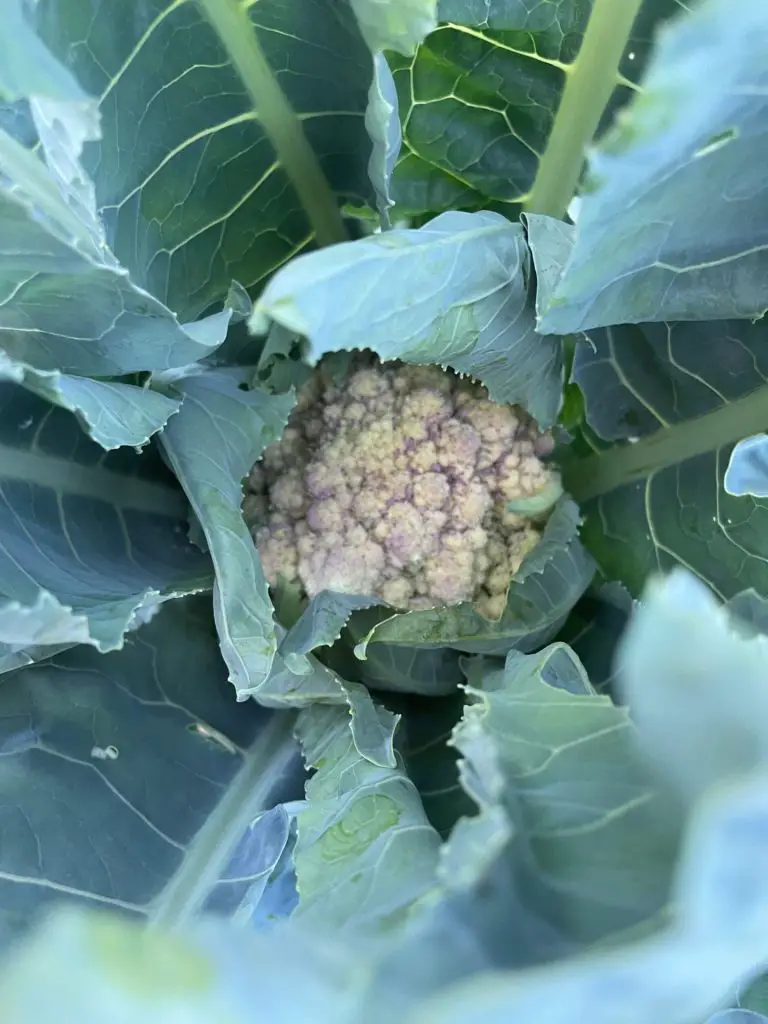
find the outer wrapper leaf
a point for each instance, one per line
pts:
(454, 292)
(112, 414)
(69, 305)
(90, 543)
(693, 140)
(637, 380)
(212, 444)
(365, 851)
(186, 181)
(479, 98)
(130, 780)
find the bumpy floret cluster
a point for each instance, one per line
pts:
(395, 484)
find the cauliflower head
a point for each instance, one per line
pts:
(396, 483)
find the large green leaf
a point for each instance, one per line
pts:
(563, 763)
(130, 780)
(212, 443)
(90, 543)
(186, 181)
(455, 291)
(67, 303)
(660, 383)
(478, 99)
(671, 225)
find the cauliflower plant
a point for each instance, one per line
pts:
(396, 484)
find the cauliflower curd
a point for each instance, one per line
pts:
(395, 484)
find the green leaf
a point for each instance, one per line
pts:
(679, 975)
(130, 780)
(563, 765)
(549, 583)
(365, 851)
(212, 443)
(746, 472)
(452, 292)
(689, 676)
(398, 25)
(683, 394)
(423, 736)
(479, 98)
(90, 543)
(112, 414)
(593, 630)
(185, 178)
(691, 141)
(68, 305)
(321, 622)
(401, 668)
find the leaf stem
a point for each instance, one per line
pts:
(588, 88)
(598, 474)
(236, 31)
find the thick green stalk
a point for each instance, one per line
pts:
(588, 88)
(599, 474)
(278, 119)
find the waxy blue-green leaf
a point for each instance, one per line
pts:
(718, 939)
(212, 443)
(671, 223)
(563, 765)
(365, 851)
(90, 542)
(130, 780)
(682, 394)
(112, 414)
(187, 183)
(479, 98)
(304, 681)
(68, 305)
(550, 581)
(454, 292)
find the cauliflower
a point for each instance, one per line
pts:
(398, 484)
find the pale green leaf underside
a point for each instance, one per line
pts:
(382, 121)
(186, 181)
(212, 443)
(562, 763)
(130, 779)
(694, 140)
(112, 414)
(454, 292)
(690, 676)
(638, 380)
(365, 851)
(89, 541)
